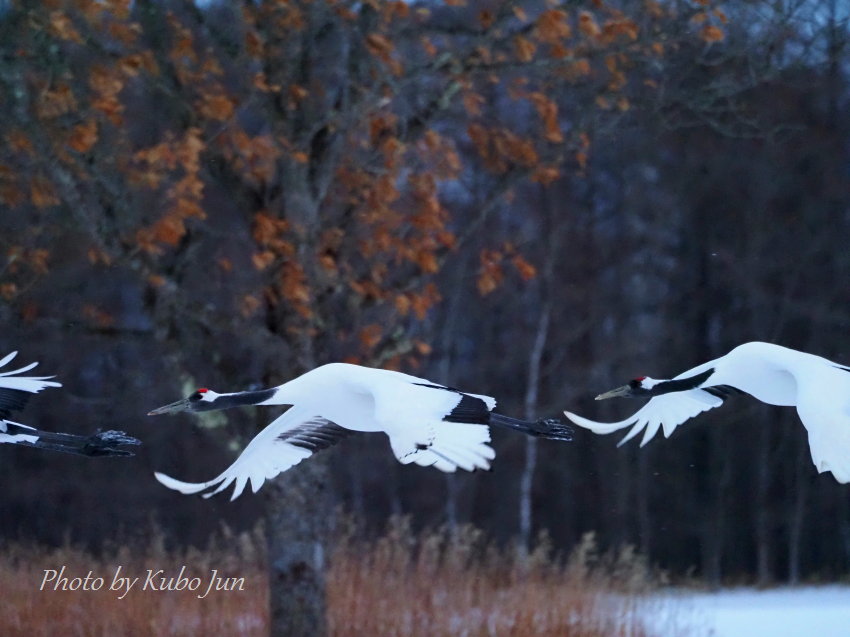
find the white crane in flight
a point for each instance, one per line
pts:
(427, 423)
(817, 387)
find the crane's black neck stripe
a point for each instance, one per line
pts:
(238, 400)
(681, 384)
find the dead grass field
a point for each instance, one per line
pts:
(435, 583)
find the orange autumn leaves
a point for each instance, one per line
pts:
(278, 252)
(597, 46)
(710, 22)
(182, 194)
(491, 269)
(83, 136)
(20, 266)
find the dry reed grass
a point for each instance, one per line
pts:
(27, 611)
(435, 583)
(458, 584)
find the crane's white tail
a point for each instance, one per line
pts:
(445, 446)
(103, 443)
(184, 487)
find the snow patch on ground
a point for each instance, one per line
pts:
(816, 611)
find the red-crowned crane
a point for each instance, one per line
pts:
(817, 387)
(427, 423)
(15, 391)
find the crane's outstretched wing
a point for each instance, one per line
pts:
(667, 411)
(15, 391)
(288, 440)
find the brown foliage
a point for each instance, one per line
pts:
(491, 271)
(548, 111)
(98, 317)
(587, 24)
(216, 107)
(524, 48)
(711, 33)
(552, 26)
(55, 101)
(234, 115)
(370, 335)
(83, 136)
(8, 291)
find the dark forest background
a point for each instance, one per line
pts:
(536, 201)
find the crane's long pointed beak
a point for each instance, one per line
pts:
(173, 408)
(620, 391)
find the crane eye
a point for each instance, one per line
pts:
(198, 394)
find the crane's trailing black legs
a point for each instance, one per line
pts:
(105, 443)
(102, 443)
(549, 428)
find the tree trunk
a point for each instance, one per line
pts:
(644, 515)
(798, 513)
(297, 515)
(454, 307)
(299, 510)
(451, 502)
(301, 505)
(844, 527)
(762, 513)
(715, 527)
(532, 390)
(526, 483)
